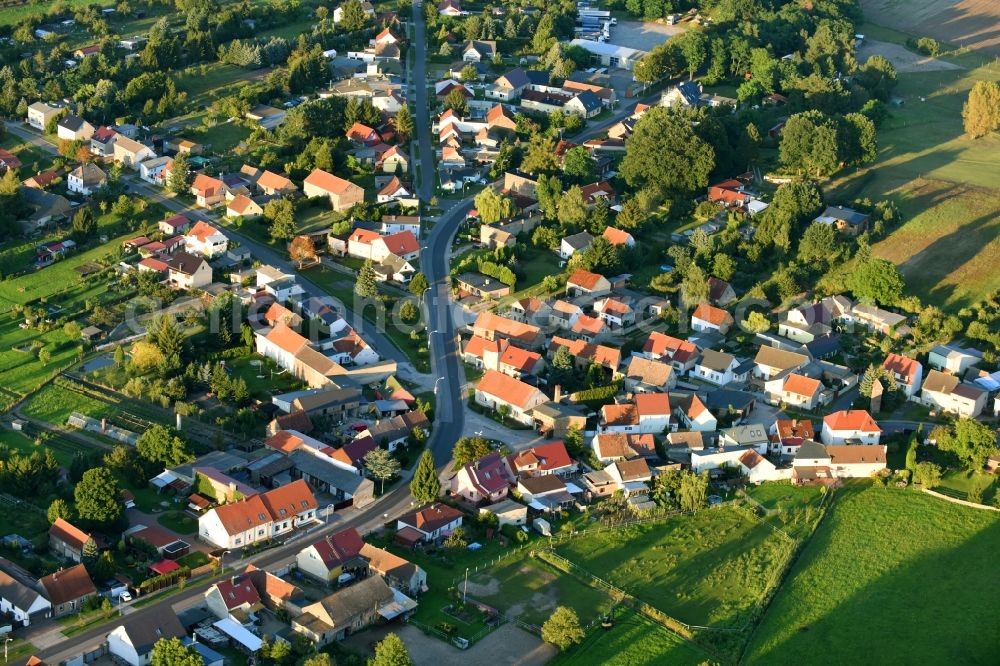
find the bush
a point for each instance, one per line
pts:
(925, 45)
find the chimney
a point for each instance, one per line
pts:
(558, 394)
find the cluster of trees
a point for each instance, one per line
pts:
(254, 54)
(684, 490)
(816, 144)
(502, 273)
(563, 372)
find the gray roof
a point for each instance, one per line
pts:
(146, 628)
(72, 123)
(690, 91)
(555, 410)
(337, 477)
(848, 215)
(746, 434)
(716, 360)
(481, 282)
(810, 449)
(538, 77)
(18, 594)
(579, 241)
(589, 100)
(724, 399)
(185, 263)
(517, 78)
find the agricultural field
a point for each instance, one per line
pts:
(968, 23)
(62, 449)
(632, 641)
(529, 589)
(943, 183)
(711, 569)
(911, 569)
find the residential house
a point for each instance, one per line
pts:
(66, 541)
(428, 524)
(680, 354)
(40, 113)
(394, 160)
(585, 353)
(332, 555)
(574, 243)
(86, 179)
(361, 134)
(850, 426)
(260, 517)
(394, 431)
(630, 476)
(350, 610)
(132, 641)
(844, 220)
(20, 603)
(205, 240)
(613, 446)
(342, 193)
(266, 116)
(235, 598)
(752, 435)
(585, 104)
(717, 367)
(648, 413)
(710, 318)
(720, 292)
(451, 8)
(74, 128)
(273, 184)
(487, 479)
(947, 393)
(187, 271)
(683, 94)
(554, 419)
(794, 390)
(480, 286)
(495, 327)
(366, 7)
(393, 190)
(545, 493)
(156, 170)
(398, 573)
(877, 319)
(496, 390)
(508, 87)
(644, 375)
(787, 435)
(614, 312)
(954, 359)
(319, 472)
(102, 142)
(771, 362)
(208, 191)
(618, 238)
(597, 192)
(476, 50)
(907, 372)
(131, 153)
(8, 160)
(244, 207)
(585, 283)
(178, 224)
(755, 467)
(691, 413)
(564, 314)
(541, 460)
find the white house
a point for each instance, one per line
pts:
(908, 373)
(945, 392)
(86, 179)
(496, 390)
(953, 359)
(132, 641)
(691, 413)
(570, 245)
(429, 523)
(710, 318)
(74, 128)
(850, 426)
(21, 603)
(205, 240)
(716, 367)
(260, 517)
(155, 170)
(131, 153)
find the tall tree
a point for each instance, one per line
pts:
(172, 652)
(391, 651)
(468, 449)
(403, 122)
(694, 288)
(381, 465)
(353, 17)
(973, 442)
(180, 175)
(563, 629)
(425, 485)
(875, 280)
(367, 285)
(456, 100)
(281, 213)
(493, 206)
(418, 284)
(60, 508)
(84, 224)
(572, 209)
(158, 444)
(98, 497)
(664, 152)
(981, 112)
(693, 491)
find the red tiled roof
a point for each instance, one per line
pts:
(851, 420)
(285, 441)
(617, 236)
(238, 591)
(285, 338)
(901, 365)
(202, 230)
(751, 458)
(164, 567)
(207, 186)
(506, 388)
(431, 517)
(800, 385)
(337, 549)
(652, 404)
(609, 357)
(69, 534)
(328, 182)
(588, 324)
(520, 359)
(547, 457)
(584, 279)
(793, 429)
(660, 344)
(620, 415)
(401, 243)
(68, 585)
(477, 346)
(713, 315)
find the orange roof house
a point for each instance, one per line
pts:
(342, 193)
(707, 317)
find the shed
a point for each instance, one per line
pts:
(91, 333)
(239, 636)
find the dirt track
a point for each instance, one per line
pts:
(971, 23)
(901, 58)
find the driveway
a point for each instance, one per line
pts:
(507, 645)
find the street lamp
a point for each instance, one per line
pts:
(222, 560)
(436, 384)
(5, 643)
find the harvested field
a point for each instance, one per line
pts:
(902, 58)
(969, 23)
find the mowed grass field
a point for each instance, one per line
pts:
(947, 186)
(531, 590)
(632, 641)
(890, 577)
(711, 569)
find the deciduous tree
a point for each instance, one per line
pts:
(172, 652)
(158, 444)
(981, 112)
(391, 651)
(664, 152)
(381, 465)
(98, 497)
(418, 284)
(563, 628)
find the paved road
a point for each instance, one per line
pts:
(427, 175)
(365, 521)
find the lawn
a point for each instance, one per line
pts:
(262, 387)
(712, 568)
(206, 83)
(632, 641)
(790, 508)
(58, 399)
(911, 570)
(531, 590)
(944, 184)
(220, 138)
(62, 449)
(179, 522)
(13, 15)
